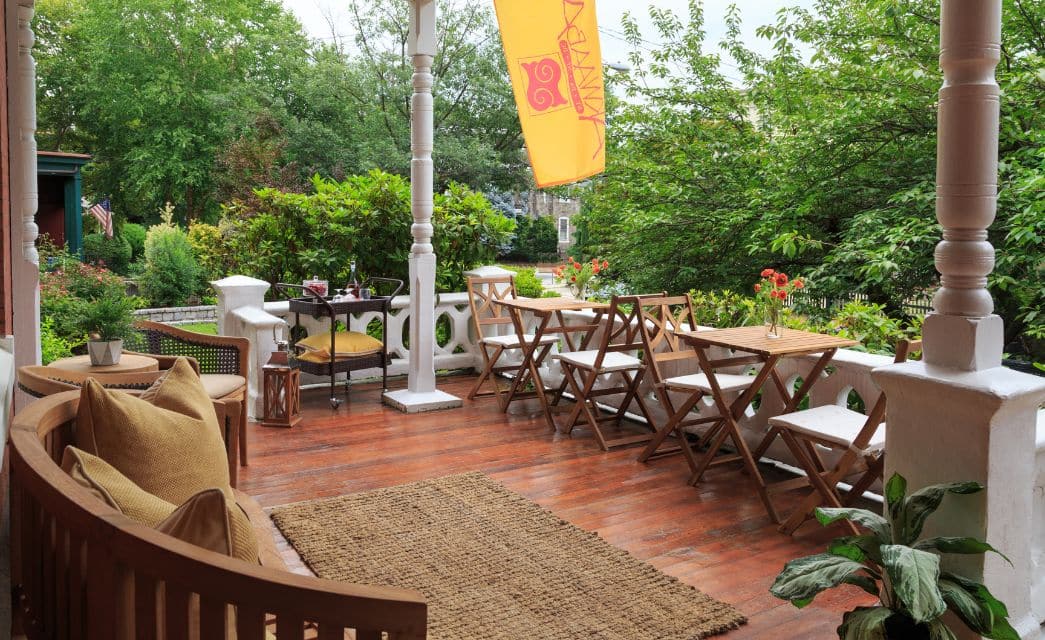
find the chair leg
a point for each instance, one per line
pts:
(875, 467)
(243, 432)
(823, 487)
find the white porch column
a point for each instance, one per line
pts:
(25, 276)
(959, 415)
(421, 394)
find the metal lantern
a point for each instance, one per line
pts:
(281, 384)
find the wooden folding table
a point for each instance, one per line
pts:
(767, 352)
(544, 309)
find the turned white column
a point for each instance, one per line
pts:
(25, 277)
(962, 332)
(421, 394)
(958, 414)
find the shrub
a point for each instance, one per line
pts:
(113, 253)
(868, 324)
(52, 345)
(171, 272)
(135, 235)
(288, 237)
(536, 240)
(65, 289)
(527, 284)
(107, 317)
(725, 308)
(208, 248)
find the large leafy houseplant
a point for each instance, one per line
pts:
(903, 571)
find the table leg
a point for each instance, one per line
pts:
(796, 399)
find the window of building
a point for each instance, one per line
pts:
(564, 229)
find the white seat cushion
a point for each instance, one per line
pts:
(613, 361)
(831, 423)
(726, 381)
(511, 341)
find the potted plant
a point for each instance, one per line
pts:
(106, 320)
(903, 571)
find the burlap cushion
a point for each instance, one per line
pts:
(167, 441)
(347, 344)
(207, 519)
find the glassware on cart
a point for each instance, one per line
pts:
(317, 285)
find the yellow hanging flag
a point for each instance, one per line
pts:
(553, 55)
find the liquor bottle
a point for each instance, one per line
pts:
(353, 282)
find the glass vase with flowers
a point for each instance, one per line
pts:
(579, 275)
(772, 292)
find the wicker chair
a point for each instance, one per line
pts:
(222, 362)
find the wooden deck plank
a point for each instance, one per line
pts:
(716, 536)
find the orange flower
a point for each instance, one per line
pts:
(758, 288)
(605, 264)
(595, 269)
(573, 278)
(768, 273)
(799, 284)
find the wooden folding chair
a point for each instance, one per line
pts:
(583, 369)
(662, 318)
(860, 437)
(482, 296)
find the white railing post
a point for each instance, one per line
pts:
(959, 415)
(25, 275)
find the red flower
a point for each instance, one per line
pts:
(781, 279)
(605, 264)
(767, 273)
(595, 269)
(799, 284)
(758, 288)
(594, 262)
(573, 278)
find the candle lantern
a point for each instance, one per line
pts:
(281, 384)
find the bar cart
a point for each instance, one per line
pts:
(305, 300)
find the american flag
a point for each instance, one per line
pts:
(102, 212)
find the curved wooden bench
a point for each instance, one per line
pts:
(81, 569)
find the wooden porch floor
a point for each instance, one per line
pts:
(715, 537)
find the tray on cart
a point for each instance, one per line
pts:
(317, 308)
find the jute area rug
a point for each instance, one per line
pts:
(496, 566)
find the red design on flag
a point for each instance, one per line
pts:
(542, 91)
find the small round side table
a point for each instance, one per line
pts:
(129, 363)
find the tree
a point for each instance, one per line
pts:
(157, 88)
(351, 107)
(823, 167)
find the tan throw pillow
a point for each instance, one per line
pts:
(167, 442)
(347, 344)
(207, 519)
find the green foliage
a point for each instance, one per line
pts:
(825, 167)
(113, 253)
(869, 325)
(52, 345)
(134, 234)
(725, 309)
(536, 240)
(68, 287)
(527, 284)
(189, 75)
(208, 247)
(902, 570)
(288, 237)
(171, 273)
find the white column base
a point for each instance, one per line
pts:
(409, 401)
(947, 425)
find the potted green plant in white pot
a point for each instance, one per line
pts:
(892, 563)
(106, 321)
